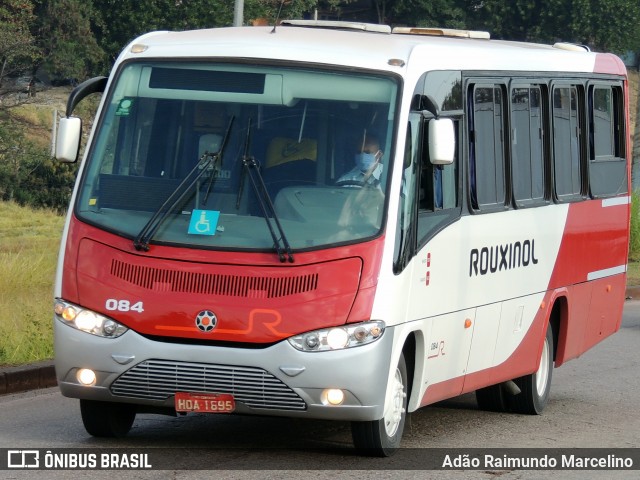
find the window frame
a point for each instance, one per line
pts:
(545, 123)
(501, 83)
(578, 85)
(618, 137)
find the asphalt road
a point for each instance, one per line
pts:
(594, 403)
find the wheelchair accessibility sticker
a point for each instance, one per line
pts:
(203, 222)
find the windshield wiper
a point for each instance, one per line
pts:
(141, 242)
(252, 168)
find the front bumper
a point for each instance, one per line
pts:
(278, 380)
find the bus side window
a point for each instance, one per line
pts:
(438, 187)
(405, 233)
(567, 139)
(607, 164)
(527, 144)
(438, 183)
(486, 158)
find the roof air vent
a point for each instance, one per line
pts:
(337, 25)
(572, 47)
(442, 32)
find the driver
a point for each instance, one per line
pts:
(362, 209)
(367, 169)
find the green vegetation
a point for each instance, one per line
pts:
(29, 241)
(28, 176)
(633, 274)
(634, 243)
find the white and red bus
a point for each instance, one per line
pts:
(339, 221)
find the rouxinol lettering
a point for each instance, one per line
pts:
(502, 257)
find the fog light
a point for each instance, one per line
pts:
(86, 376)
(332, 396)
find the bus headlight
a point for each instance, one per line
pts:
(338, 338)
(87, 320)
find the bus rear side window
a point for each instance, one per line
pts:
(566, 142)
(607, 165)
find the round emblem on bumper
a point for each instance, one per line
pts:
(206, 320)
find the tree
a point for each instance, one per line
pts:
(432, 13)
(118, 22)
(604, 25)
(65, 36)
(272, 9)
(615, 25)
(18, 51)
(28, 175)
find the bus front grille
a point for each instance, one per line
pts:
(209, 283)
(252, 386)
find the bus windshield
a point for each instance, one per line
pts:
(214, 153)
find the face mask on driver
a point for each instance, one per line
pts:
(365, 161)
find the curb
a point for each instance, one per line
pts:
(27, 377)
(633, 293)
(43, 375)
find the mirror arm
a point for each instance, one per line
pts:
(430, 105)
(86, 88)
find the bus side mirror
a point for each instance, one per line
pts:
(68, 139)
(442, 141)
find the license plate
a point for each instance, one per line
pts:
(204, 402)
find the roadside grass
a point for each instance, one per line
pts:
(29, 241)
(36, 115)
(633, 274)
(633, 271)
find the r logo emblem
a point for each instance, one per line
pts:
(206, 320)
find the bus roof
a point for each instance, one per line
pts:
(378, 48)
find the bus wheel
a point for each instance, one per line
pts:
(535, 388)
(107, 419)
(492, 398)
(382, 437)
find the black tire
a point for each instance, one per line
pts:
(492, 398)
(381, 438)
(535, 388)
(107, 419)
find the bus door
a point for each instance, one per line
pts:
(430, 246)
